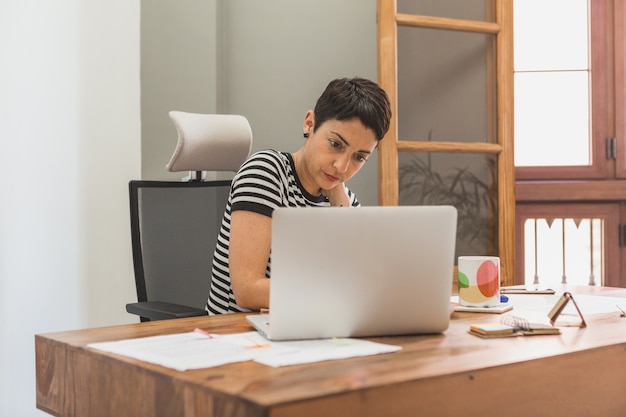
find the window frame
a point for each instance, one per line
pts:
(600, 46)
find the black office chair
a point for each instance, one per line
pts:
(174, 225)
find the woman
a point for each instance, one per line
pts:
(349, 119)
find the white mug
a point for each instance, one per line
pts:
(479, 281)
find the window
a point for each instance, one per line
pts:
(552, 80)
(569, 139)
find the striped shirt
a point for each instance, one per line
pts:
(267, 180)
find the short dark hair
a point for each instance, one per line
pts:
(355, 98)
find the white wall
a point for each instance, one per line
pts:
(267, 60)
(69, 143)
(279, 55)
(178, 72)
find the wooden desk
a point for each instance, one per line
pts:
(579, 373)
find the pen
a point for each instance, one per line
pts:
(203, 332)
(525, 291)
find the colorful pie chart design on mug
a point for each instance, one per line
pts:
(486, 283)
(487, 278)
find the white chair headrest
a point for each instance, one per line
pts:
(210, 142)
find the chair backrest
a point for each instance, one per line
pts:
(210, 142)
(174, 228)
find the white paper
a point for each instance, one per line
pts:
(595, 304)
(308, 351)
(543, 303)
(195, 350)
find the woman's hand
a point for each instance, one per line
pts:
(337, 196)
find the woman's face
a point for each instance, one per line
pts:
(333, 153)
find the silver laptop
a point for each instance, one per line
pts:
(351, 272)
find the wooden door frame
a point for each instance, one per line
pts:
(502, 148)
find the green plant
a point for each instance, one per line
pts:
(474, 198)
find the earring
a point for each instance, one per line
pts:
(306, 135)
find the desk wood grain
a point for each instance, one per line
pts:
(581, 372)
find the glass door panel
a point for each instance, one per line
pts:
(454, 9)
(466, 181)
(444, 93)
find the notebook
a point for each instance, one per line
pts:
(354, 272)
